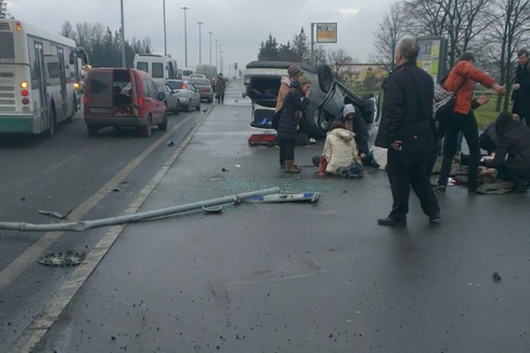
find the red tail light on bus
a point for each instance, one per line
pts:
(85, 99)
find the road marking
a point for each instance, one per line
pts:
(15, 268)
(53, 309)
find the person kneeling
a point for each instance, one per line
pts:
(340, 153)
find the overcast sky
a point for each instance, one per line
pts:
(239, 25)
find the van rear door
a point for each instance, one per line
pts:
(99, 92)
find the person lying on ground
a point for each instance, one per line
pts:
(340, 150)
(512, 156)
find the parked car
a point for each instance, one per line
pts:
(122, 98)
(187, 94)
(171, 101)
(209, 71)
(205, 88)
(328, 96)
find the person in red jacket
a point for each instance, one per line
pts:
(463, 120)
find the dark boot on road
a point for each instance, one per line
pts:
(291, 168)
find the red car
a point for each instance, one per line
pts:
(123, 98)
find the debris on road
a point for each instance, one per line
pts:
(69, 258)
(224, 169)
(55, 214)
(116, 189)
(213, 209)
(170, 143)
(496, 277)
(287, 197)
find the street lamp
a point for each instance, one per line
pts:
(210, 33)
(165, 41)
(123, 64)
(216, 60)
(200, 52)
(185, 37)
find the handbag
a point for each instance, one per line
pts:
(444, 101)
(419, 144)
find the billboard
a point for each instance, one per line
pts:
(433, 56)
(326, 33)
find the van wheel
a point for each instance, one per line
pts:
(146, 130)
(92, 130)
(163, 126)
(51, 131)
(325, 77)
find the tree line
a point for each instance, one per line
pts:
(494, 30)
(104, 47)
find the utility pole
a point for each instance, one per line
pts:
(312, 43)
(165, 38)
(216, 52)
(210, 33)
(185, 37)
(200, 46)
(123, 63)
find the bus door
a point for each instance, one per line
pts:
(62, 77)
(39, 68)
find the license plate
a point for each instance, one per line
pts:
(100, 110)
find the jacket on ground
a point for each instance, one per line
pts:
(409, 93)
(293, 102)
(339, 149)
(465, 73)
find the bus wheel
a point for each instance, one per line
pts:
(92, 130)
(51, 131)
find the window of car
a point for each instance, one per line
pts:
(152, 89)
(145, 86)
(200, 82)
(191, 87)
(175, 84)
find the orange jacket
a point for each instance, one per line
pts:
(464, 70)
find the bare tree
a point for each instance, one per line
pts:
(508, 34)
(390, 32)
(320, 55)
(67, 30)
(337, 59)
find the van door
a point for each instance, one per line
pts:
(99, 93)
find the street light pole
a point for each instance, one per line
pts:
(123, 64)
(200, 48)
(185, 37)
(210, 33)
(216, 50)
(165, 39)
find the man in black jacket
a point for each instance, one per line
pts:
(409, 93)
(521, 87)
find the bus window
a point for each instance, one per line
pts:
(158, 70)
(7, 49)
(53, 70)
(142, 65)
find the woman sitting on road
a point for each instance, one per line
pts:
(340, 151)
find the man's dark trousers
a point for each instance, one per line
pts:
(401, 178)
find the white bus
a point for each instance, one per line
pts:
(160, 67)
(38, 71)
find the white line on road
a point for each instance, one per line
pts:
(15, 268)
(51, 310)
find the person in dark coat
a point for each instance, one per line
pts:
(294, 105)
(220, 87)
(512, 156)
(409, 93)
(521, 87)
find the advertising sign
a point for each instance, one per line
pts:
(326, 32)
(432, 56)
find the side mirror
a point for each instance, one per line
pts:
(161, 96)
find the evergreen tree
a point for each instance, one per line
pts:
(300, 46)
(268, 50)
(3, 10)
(287, 53)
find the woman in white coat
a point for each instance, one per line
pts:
(340, 150)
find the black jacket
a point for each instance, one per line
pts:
(294, 101)
(521, 97)
(513, 142)
(409, 94)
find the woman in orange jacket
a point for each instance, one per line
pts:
(462, 78)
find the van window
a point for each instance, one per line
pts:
(158, 70)
(152, 90)
(145, 86)
(100, 83)
(142, 65)
(187, 72)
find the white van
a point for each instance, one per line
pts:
(160, 67)
(185, 73)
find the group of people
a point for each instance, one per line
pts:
(408, 103)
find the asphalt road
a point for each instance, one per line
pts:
(287, 277)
